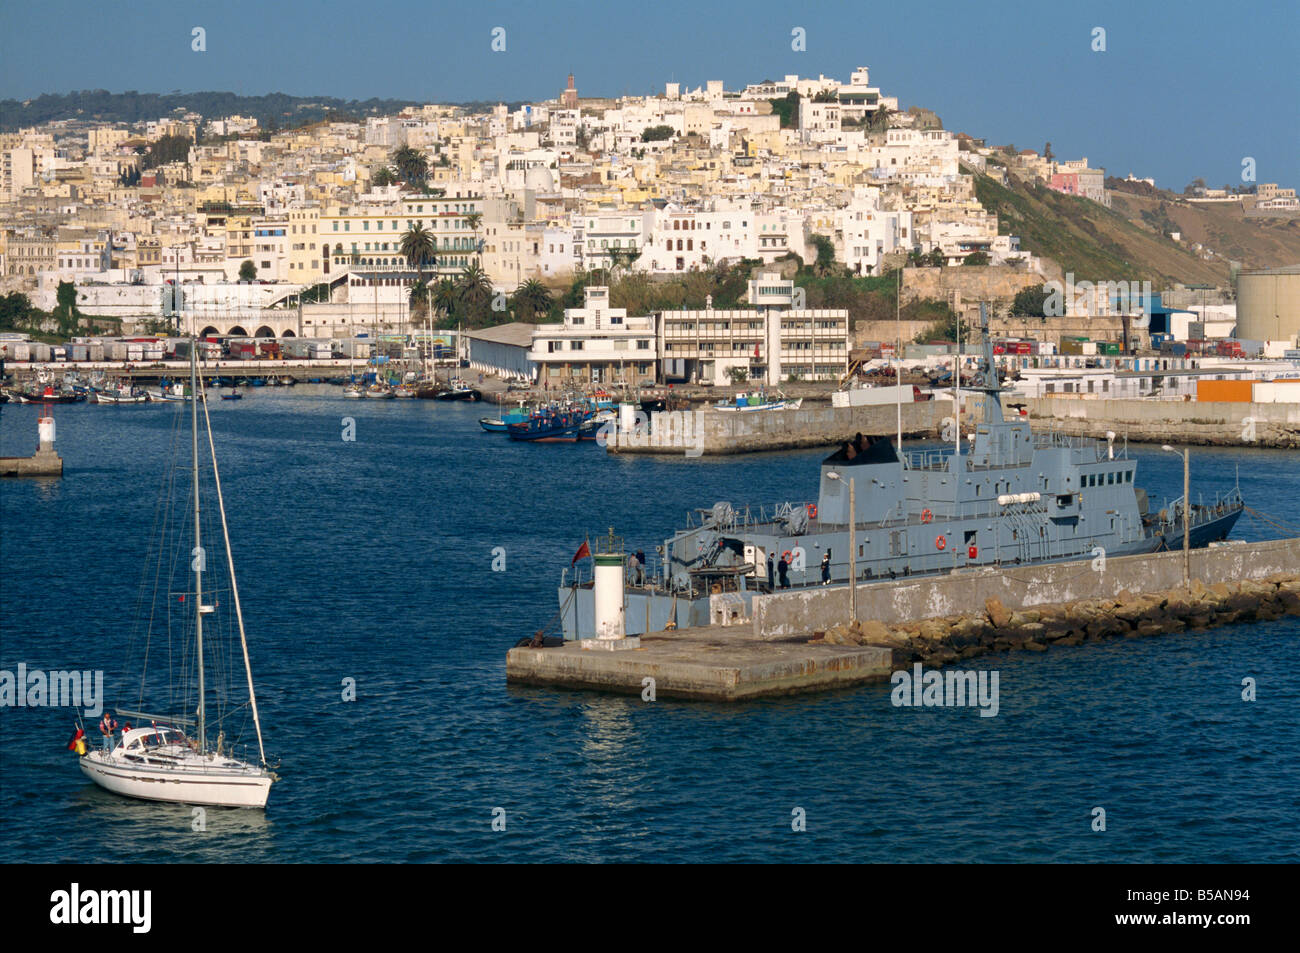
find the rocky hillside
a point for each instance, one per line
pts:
(1130, 241)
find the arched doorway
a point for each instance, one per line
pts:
(287, 333)
(264, 332)
(209, 331)
(238, 332)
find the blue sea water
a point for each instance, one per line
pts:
(372, 560)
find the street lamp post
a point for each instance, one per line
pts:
(853, 548)
(1187, 512)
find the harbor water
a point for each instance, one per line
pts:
(372, 559)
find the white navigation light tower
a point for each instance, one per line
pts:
(608, 597)
(1187, 511)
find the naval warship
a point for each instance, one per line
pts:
(1002, 495)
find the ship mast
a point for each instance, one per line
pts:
(198, 554)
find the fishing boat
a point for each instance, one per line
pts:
(233, 395)
(548, 426)
(758, 401)
(500, 424)
(172, 391)
(1000, 495)
(48, 395)
(119, 393)
(458, 389)
(158, 760)
(354, 391)
(380, 391)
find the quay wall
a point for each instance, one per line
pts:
(1208, 423)
(721, 432)
(792, 613)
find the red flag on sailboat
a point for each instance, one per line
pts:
(583, 552)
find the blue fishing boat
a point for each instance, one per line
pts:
(548, 426)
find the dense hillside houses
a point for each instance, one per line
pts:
(688, 180)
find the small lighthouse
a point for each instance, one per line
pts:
(45, 461)
(609, 607)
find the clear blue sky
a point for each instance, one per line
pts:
(1183, 90)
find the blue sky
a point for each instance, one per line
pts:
(1183, 89)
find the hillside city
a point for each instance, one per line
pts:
(440, 216)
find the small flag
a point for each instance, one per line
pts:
(72, 742)
(756, 349)
(583, 552)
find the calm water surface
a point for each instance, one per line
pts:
(371, 560)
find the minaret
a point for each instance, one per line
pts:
(570, 95)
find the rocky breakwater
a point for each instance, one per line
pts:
(946, 639)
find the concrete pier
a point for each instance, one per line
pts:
(717, 663)
(1206, 423)
(935, 619)
(721, 432)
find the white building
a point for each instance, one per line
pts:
(595, 344)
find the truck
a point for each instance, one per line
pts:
(269, 349)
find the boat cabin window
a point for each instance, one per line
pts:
(1110, 478)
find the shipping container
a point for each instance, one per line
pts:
(1233, 392)
(58, 353)
(20, 351)
(1280, 391)
(319, 351)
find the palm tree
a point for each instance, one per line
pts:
(445, 296)
(474, 220)
(474, 294)
(383, 176)
(531, 299)
(411, 164)
(417, 247)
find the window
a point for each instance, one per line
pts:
(575, 345)
(643, 345)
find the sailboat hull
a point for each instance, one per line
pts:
(215, 787)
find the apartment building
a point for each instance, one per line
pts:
(595, 344)
(771, 342)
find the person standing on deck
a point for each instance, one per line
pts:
(771, 573)
(782, 571)
(633, 567)
(826, 567)
(640, 569)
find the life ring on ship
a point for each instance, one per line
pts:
(812, 511)
(787, 555)
(940, 542)
(926, 516)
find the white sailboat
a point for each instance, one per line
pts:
(160, 762)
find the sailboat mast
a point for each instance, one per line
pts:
(198, 554)
(234, 589)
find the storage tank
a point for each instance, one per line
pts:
(1268, 304)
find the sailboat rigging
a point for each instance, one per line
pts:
(160, 762)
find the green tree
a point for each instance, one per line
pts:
(1030, 302)
(15, 311)
(383, 176)
(531, 299)
(65, 308)
(976, 258)
(824, 263)
(656, 133)
(936, 258)
(167, 149)
(417, 246)
(473, 220)
(474, 298)
(445, 298)
(787, 108)
(411, 165)
(247, 271)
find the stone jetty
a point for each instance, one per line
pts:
(945, 639)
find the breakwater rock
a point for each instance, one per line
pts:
(947, 639)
